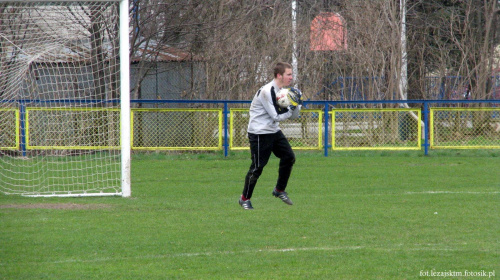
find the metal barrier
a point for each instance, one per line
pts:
(376, 129)
(464, 128)
(176, 129)
(304, 133)
(221, 125)
(72, 129)
(9, 129)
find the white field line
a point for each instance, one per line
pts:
(451, 192)
(397, 247)
(413, 193)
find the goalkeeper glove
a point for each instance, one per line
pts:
(296, 96)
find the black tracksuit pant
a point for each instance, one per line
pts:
(261, 147)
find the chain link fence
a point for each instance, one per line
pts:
(464, 128)
(74, 128)
(303, 133)
(9, 130)
(376, 129)
(176, 129)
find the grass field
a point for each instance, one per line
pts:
(357, 215)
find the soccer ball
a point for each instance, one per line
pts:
(283, 97)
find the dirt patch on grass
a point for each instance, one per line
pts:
(60, 206)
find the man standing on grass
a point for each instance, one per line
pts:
(266, 136)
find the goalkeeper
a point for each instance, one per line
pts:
(266, 137)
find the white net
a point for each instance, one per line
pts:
(59, 98)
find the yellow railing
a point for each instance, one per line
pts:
(303, 133)
(376, 129)
(9, 129)
(465, 128)
(176, 129)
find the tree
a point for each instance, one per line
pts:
(452, 38)
(240, 41)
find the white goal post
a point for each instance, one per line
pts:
(65, 98)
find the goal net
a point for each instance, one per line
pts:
(60, 108)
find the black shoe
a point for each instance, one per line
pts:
(246, 204)
(283, 196)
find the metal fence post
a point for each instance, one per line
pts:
(226, 129)
(426, 128)
(326, 129)
(22, 120)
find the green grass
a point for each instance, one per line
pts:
(357, 215)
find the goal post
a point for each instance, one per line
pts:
(125, 99)
(65, 98)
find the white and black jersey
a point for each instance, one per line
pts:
(265, 114)
(266, 138)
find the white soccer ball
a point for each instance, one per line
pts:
(283, 98)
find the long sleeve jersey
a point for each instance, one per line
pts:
(265, 114)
